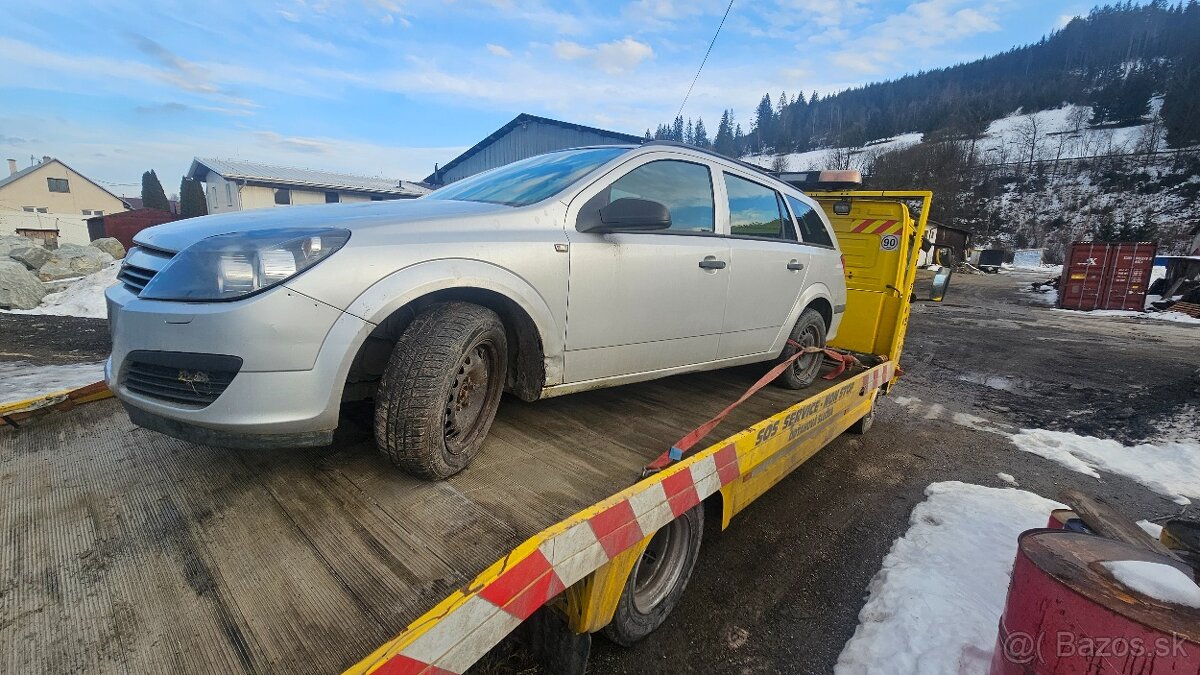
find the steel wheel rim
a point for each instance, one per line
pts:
(467, 400)
(660, 567)
(804, 365)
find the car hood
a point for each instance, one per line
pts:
(407, 213)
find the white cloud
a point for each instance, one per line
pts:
(613, 57)
(622, 55)
(921, 26)
(569, 51)
(499, 50)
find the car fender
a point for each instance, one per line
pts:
(811, 292)
(403, 286)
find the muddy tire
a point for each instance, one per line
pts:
(810, 332)
(658, 579)
(863, 425)
(441, 389)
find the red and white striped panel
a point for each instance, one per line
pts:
(878, 376)
(473, 627)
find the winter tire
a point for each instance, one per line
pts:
(809, 331)
(441, 388)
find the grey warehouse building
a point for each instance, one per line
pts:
(525, 136)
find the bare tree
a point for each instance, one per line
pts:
(1029, 137)
(839, 159)
(780, 163)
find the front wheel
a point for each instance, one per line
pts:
(441, 389)
(809, 331)
(657, 581)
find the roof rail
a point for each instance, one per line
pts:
(745, 165)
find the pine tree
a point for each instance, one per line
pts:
(764, 117)
(153, 196)
(689, 135)
(191, 198)
(723, 143)
(701, 134)
(677, 129)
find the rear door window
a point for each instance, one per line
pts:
(812, 228)
(756, 210)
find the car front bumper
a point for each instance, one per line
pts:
(294, 353)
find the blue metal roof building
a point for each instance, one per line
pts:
(525, 136)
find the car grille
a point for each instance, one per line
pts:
(173, 377)
(140, 266)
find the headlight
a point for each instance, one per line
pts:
(230, 266)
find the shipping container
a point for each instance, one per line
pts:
(1107, 275)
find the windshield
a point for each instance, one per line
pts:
(529, 180)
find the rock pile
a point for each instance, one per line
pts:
(25, 264)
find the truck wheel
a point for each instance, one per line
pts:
(810, 332)
(863, 425)
(657, 581)
(441, 389)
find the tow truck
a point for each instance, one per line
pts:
(129, 550)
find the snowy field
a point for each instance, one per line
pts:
(1062, 133)
(20, 380)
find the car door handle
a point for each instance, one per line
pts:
(711, 263)
(796, 266)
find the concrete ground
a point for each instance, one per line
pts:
(780, 590)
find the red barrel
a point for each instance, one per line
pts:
(1066, 615)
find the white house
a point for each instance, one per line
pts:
(233, 185)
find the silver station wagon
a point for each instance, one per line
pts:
(568, 271)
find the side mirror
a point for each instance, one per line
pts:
(941, 282)
(632, 215)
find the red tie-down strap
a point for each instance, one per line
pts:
(842, 360)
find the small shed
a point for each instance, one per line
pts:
(525, 136)
(124, 225)
(939, 237)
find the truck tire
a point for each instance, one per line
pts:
(810, 332)
(441, 388)
(863, 425)
(658, 580)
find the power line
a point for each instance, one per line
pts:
(705, 59)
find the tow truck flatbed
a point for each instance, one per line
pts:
(129, 551)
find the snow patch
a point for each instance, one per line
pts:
(1165, 583)
(83, 297)
(1170, 468)
(20, 380)
(1176, 317)
(1152, 529)
(1007, 478)
(934, 605)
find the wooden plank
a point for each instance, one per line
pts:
(1106, 521)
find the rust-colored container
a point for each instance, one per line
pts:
(1066, 615)
(1106, 275)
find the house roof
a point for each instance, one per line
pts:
(525, 118)
(255, 172)
(12, 178)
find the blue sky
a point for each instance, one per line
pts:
(388, 87)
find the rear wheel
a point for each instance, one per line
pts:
(441, 388)
(809, 331)
(863, 425)
(658, 580)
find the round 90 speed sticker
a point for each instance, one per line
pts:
(889, 242)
